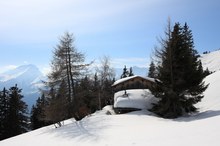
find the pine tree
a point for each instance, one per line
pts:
(207, 72)
(85, 95)
(131, 72)
(152, 70)
(125, 73)
(34, 119)
(4, 106)
(38, 113)
(17, 120)
(58, 107)
(95, 87)
(180, 75)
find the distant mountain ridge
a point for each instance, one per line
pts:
(27, 77)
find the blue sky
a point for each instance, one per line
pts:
(124, 30)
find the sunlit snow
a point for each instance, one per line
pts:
(140, 128)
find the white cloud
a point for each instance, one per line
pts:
(6, 68)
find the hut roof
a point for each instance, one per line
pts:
(130, 78)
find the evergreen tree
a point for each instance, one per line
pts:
(125, 73)
(34, 119)
(207, 72)
(84, 93)
(152, 70)
(95, 93)
(17, 120)
(131, 72)
(95, 85)
(38, 113)
(57, 109)
(4, 106)
(180, 75)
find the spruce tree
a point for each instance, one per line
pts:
(125, 72)
(38, 113)
(180, 75)
(58, 107)
(131, 72)
(94, 103)
(152, 70)
(17, 120)
(4, 106)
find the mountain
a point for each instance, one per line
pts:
(27, 77)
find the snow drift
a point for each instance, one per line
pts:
(134, 98)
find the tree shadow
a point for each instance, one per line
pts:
(199, 116)
(83, 130)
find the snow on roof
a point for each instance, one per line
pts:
(134, 98)
(132, 77)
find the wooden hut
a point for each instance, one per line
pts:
(133, 82)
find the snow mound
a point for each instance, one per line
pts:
(211, 100)
(134, 98)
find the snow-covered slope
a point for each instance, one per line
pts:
(211, 101)
(211, 60)
(27, 77)
(139, 128)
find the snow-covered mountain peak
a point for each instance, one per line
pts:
(21, 71)
(27, 77)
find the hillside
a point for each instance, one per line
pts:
(211, 60)
(137, 128)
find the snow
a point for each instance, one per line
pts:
(134, 98)
(211, 60)
(28, 78)
(5, 77)
(140, 128)
(211, 101)
(128, 78)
